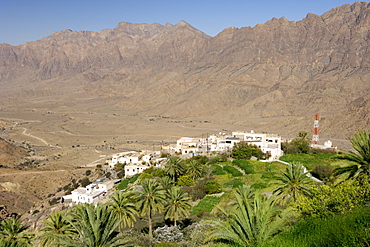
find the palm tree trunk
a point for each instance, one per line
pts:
(150, 225)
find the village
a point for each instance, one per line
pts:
(136, 162)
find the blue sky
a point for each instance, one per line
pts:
(22, 21)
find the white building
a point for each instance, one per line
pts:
(187, 145)
(132, 169)
(221, 143)
(327, 145)
(90, 194)
(131, 158)
(268, 143)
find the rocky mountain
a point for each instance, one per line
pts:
(270, 74)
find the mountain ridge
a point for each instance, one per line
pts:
(278, 69)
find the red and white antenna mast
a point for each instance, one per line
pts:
(315, 137)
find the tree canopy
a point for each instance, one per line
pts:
(244, 151)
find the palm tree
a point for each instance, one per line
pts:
(14, 233)
(292, 183)
(55, 227)
(245, 192)
(249, 222)
(95, 225)
(167, 183)
(194, 169)
(178, 205)
(174, 167)
(150, 200)
(123, 208)
(361, 157)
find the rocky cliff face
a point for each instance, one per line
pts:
(277, 69)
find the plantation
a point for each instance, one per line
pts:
(310, 160)
(233, 202)
(206, 205)
(350, 229)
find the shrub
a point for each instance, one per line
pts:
(217, 170)
(213, 187)
(218, 158)
(84, 181)
(234, 183)
(351, 229)
(206, 205)
(144, 176)
(329, 199)
(297, 145)
(233, 171)
(123, 184)
(245, 165)
(133, 178)
(195, 233)
(322, 172)
(202, 159)
(268, 175)
(309, 160)
(164, 155)
(121, 173)
(258, 186)
(185, 180)
(150, 170)
(54, 201)
(244, 151)
(198, 191)
(168, 234)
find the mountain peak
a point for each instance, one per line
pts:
(251, 72)
(183, 23)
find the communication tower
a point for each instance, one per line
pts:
(315, 137)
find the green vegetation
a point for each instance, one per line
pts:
(234, 183)
(259, 186)
(244, 151)
(249, 222)
(94, 226)
(292, 184)
(245, 165)
(124, 183)
(213, 187)
(123, 208)
(55, 228)
(177, 206)
(351, 229)
(185, 180)
(14, 233)
(150, 200)
(310, 160)
(327, 200)
(233, 171)
(360, 158)
(206, 205)
(296, 211)
(174, 167)
(217, 170)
